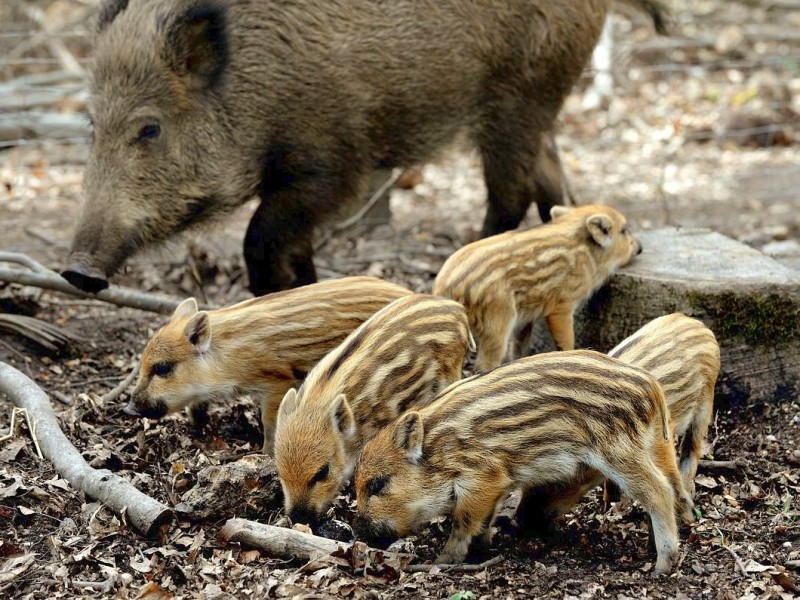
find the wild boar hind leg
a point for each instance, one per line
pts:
(520, 165)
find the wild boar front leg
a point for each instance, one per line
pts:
(472, 516)
(302, 186)
(278, 250)
(560, 323)
(665, 458)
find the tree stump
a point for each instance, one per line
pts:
(750, 301)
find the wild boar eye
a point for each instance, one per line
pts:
(322, 474)
(149, 132)
(376, 485)
(162, 369)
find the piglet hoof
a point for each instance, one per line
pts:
(664, 564)
(448, 558)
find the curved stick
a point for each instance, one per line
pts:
(50, 280)
(142, 512)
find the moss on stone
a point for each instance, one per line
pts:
(758, 319)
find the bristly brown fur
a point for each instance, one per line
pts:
(262, 347)
(401, 358)
(299, 102)
(509, 280)
(536, 421)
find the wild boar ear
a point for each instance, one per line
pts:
(558, 211)
(342, 415)
(196, 45)
(408, 436)
(600, 227)
(287, 407)
(186, 309)
(198, 332)
(108, 12)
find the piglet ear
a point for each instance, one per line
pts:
(186, 309)
(558, 211)
(287, 407)
(196, 45)
(408, 436)
(198, 332)
(343, 420)
(108, 12)
(600, 227)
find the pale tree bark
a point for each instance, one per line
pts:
(140, 511)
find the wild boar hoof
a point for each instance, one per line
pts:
(85, 279)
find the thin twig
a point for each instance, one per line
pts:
(738, 560)
(24, 260)
(123, 385)
(61, 397)
(390, 181)
(12, 428)
(349, 222)
(43, 237)
(455, 568)
(56, 46)
(102, 586)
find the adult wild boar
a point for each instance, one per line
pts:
(199, 105)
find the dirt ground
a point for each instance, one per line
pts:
(702, 132)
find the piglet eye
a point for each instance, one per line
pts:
(322, 474)
(376, 485)
(162, 369)
(149, 132)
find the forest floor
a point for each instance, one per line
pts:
(678, 144)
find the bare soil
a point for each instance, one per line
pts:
(673, 146)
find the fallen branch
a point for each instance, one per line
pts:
(44, 278)
(51, 338)
(290, 543)
(723, 465)
(278, 541)
(104, 587)
(455, 568)
(142, 512)
(123, 385)
(315, 550)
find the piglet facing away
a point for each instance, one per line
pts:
(535, 421)
(262, 347)
(401, 357)
(509, 280)
(197, 106)
(683, 355)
